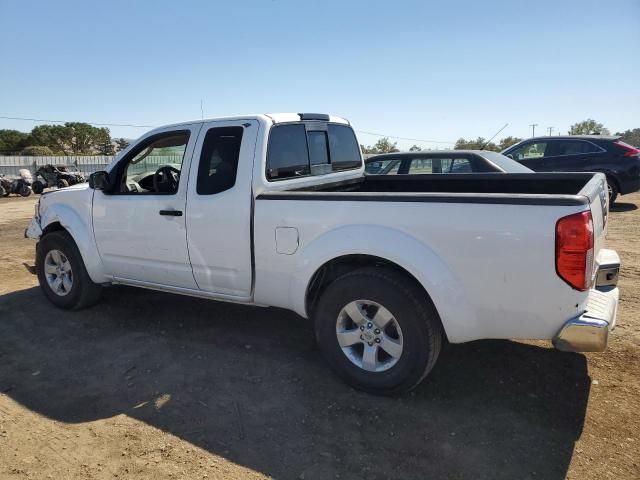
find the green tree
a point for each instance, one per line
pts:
(588, 127)
(632, 137)
(415, 148)
(36, 151)
(72, 138)
(12, 141)
(384, 145)
(106, 148)
(478, 144)
(123, 143)
(507, 142)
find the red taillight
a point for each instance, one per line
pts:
(629, 150)
(574, 249)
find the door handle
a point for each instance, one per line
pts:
(171, 213)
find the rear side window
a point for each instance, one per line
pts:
(219, 160)
(573, 147)
(293, 150)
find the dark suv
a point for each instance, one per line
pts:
(583, 153)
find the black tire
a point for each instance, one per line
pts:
(37, 187)
(613, 190)
(83, 292)
(62, 183)
(25, 191)
(412, 310)
(2, 191)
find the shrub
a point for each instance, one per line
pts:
(37, 151)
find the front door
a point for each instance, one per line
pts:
(220, 208)
(139, 224)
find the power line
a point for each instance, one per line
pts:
(404, 138)
(102, 124)
(90, 123)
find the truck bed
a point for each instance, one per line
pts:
(510, 188)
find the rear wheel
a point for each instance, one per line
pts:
(62, 274)
(62, 183)
(378, 331)
(37, 187)
(613, 190)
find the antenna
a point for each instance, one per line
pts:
(496, 134)
(201, 110)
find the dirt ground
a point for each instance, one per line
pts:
(152, 385)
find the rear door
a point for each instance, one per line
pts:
(219, 207)
(570, 155)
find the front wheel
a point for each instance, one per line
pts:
(62, 183)
(612, 190)
(378, 330)
(37, 187)
(62, 274)
(25, 190)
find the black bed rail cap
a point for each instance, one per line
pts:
(314, 116)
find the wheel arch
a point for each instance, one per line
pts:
(63, 218)
(354, 246)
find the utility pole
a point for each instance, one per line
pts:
(550, 130)
(533, 129)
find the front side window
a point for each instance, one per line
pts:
(530, 150)
(219, 160)
(293, 150)
(155, 166)
(383, 167)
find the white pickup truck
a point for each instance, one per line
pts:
(275, 210)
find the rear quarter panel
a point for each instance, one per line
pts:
(489, 268)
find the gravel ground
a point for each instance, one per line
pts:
(152, 385)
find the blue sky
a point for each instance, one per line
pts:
(426, 70)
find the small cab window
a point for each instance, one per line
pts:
(294, 150)
(572, 147)
(155, 166)
(287, 154)
(530, 150)
(219, 160)
(318, 151)
(345, 152)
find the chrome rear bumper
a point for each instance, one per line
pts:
(590, 331)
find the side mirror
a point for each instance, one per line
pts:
(510, 156)
(99, 181)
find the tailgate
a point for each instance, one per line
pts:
(596, 191)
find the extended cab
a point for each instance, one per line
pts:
(275, 210)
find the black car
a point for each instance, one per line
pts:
(447, 161)
(55, 176)
(619, 161)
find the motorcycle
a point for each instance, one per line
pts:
(19, 186)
